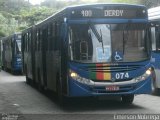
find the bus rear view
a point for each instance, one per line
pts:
(109, 51)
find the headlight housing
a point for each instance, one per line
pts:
(144, 76)
(80, 79)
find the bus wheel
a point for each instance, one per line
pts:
(13, 72)
(153, 83)
(60, 96)
(127, 99)
(39, 84)
(27, 80)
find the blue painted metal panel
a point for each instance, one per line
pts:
(79, 89)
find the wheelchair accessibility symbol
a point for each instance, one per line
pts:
(118, 56)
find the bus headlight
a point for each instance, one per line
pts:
(144, 76)
(80, 79)
(73, 75)
(148, 72)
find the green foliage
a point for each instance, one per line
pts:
(8, 25)
(125, 1)
(36, 14)
(16, 15)
(2, 34)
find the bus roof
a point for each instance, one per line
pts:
(67, 12)
(106, 4)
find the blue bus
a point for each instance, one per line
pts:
(11, 53)
(154, 18)
(90, 50)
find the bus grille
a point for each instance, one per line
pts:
(106, 68)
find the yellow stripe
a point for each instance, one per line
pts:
(106, 75)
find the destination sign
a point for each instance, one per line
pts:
(109, 13)
(113, 13)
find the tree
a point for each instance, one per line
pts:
(36, 14)
(150, 3)
(126, 1)
(8, 26)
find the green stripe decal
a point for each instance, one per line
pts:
(92, 75)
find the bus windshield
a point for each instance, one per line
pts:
(108, 42)
(18, 46)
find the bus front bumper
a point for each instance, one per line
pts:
(77, 89)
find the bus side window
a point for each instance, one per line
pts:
(57, 36)
(37, 39)
(157, 35)
(44, 39)
(24, 44)
(48, 38)
(53, 38)
(153, 38)
(27, 43)
(40, 40)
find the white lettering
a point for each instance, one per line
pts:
(126, 75)
(113, 13)
(121, 75)
(86, 13)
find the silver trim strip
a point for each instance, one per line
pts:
(112, 83)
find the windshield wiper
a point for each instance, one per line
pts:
(125, 36)
(99, 38)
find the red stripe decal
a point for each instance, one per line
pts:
(99, 75)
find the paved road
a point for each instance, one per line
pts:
(18, 98)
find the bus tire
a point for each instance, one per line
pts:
(13, 72)
(128, 99)
(60, 97)
(39, 85)
(153, 84)
(27, 79)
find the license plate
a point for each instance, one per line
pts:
(112, 88)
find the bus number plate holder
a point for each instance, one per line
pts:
(112, 88)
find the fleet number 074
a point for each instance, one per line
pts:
(122, 75)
